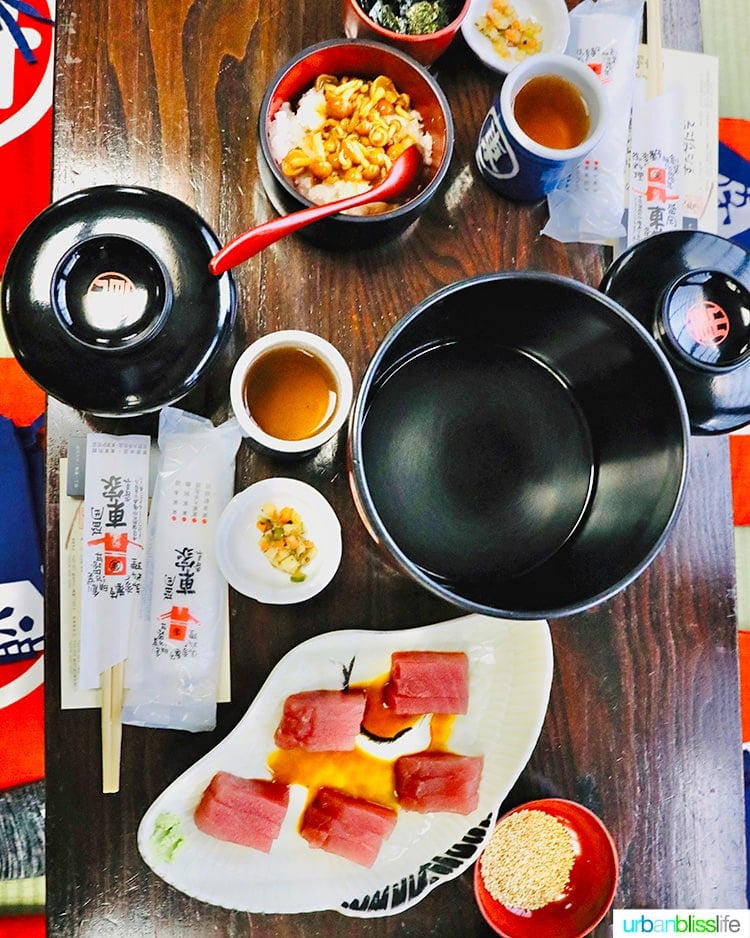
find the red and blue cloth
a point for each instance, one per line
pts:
(21, 604)
(26, 60)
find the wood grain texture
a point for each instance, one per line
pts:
(643, 724)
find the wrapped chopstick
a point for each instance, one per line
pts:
(657, 139)
(114, 533)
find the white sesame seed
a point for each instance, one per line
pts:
(527, 861)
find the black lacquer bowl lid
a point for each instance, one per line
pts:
(108, 303)
(691, 290)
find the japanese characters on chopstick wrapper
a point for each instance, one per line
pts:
(656, 144)
(173, 666)
(116, 510)
(656, 152)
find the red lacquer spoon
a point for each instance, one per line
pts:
(246, 245)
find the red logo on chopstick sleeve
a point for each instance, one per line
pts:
(178, 618)
(108, 518)
(176, 636)
(115, 553)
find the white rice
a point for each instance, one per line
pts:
(289, 128)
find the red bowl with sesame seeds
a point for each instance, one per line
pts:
(586, 896)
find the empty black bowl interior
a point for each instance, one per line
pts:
(519, 445)
(110, 292)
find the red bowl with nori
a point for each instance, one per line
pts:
(388, 21)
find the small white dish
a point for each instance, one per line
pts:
(241, 560)
(551, 14)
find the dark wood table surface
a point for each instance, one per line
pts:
(643, 722)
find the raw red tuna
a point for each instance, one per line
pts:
(428, 682)
(350, 827)
(438, 781)
(321, 720)
(247, 811)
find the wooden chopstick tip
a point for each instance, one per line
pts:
(112, 685)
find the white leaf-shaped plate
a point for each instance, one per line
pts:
(510, 673)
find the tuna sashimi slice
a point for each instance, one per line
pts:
(246, 811)
(350, 827)
(428, 682)
(261, 797)
(321, 720)
(438, 781)
(225, 823)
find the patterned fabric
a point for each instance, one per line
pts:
(734, 223)
(26, 87)
(22, 831)
(25, 116)
(21, 667)
(734, 180)
(21, 655)
(23, 926)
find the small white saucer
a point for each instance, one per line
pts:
(241, 560)
(552, 14)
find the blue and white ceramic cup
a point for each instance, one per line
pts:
(513, 163)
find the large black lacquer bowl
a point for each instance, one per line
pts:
(519, 445)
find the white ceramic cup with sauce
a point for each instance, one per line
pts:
(291, 392)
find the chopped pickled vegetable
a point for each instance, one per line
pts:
(283, 540)
(511, 37)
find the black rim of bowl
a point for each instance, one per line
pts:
(645, 278)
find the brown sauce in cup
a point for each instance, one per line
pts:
(552, 111)
(290, 393)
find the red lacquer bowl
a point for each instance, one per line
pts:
(590, 890)
(425, 49)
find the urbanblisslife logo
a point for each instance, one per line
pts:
(735, 923)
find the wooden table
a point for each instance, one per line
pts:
(643, 721)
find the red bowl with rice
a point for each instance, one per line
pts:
(286, 128)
